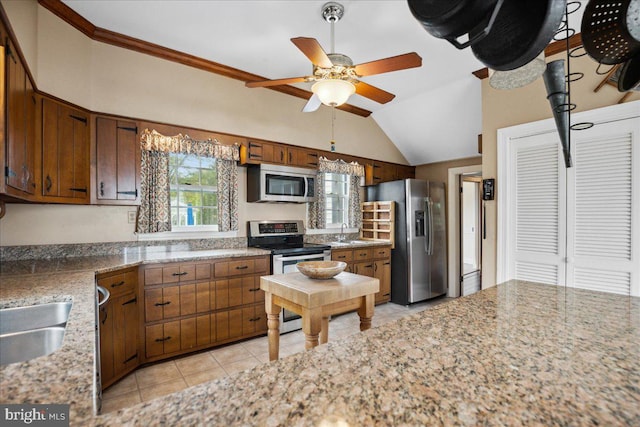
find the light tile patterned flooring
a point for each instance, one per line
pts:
(177, 374)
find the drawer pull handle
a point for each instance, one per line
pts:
(254, 289)
(160, 304)
(180, 274)
(254, 319)
(342, 256)
(131, 301)
(163, 339)
(242, 267)
(115, 285)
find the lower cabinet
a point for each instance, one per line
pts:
(222, 303)
(119, 326)
(373, 261)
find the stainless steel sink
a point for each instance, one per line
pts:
(34, 317)
(32, 331)
(26, 345)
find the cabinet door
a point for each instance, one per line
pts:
(117, 161)
(203, 330)
(187, 299)
(363, 268)
(382, 272)
(106, 330)
(65, 153)
(125, 334)
(188, 333)
(251, 291)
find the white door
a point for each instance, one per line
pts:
(603, 204)
(538, 217)
(580, 226)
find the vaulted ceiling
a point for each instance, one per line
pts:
(436, 114)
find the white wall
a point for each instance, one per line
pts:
(108, 79)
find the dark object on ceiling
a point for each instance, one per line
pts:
(629, 78)
(521, 31)
(451, 19)
(555, 83)
(605, 31)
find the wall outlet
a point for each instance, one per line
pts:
(131, 217)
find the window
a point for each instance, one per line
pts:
(337, 199)
(194, 191)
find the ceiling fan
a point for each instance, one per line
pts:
(335, 76)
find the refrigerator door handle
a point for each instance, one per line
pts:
(428, 238)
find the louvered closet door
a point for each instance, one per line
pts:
(603, 204)
(539, 216)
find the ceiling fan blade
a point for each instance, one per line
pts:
(313, 104)
(373, 93)
(312, 49)
(394, 63)
(278, 82)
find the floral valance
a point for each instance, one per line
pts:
(154, 141)
(340, 166)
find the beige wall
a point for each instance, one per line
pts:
(502, 109)
(109, 79)
(440, 171)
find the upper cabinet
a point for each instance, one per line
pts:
(117, 154)
(19, 108)
(256, 151)
(65, 153)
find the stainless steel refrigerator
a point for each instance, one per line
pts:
(419, 259)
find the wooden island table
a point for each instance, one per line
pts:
(316, 300)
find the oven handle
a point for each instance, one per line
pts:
(296, 258)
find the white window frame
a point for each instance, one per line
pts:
(347, 196)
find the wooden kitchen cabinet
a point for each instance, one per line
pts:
(117, 162)
(302, 157)
(119, 325)
(65, 153)
(256, 152)
(190, 306)
(370, 261)
(19, 126)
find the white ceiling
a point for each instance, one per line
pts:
(436, 114)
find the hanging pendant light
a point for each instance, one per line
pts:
(333, 92)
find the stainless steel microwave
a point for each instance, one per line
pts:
(273, 183)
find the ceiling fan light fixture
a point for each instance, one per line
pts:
(333, 92)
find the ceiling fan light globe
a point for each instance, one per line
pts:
(333, 92)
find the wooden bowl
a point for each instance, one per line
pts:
(321, 269)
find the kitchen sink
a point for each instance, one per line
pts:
(32, 331)
(38, 316)
(21, 346)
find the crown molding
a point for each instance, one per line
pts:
(72, 18)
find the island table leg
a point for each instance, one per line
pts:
(311, 326)
(365, 311)
(273, 325)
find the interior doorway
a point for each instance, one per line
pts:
(470, 234)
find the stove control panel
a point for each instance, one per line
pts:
(275, 228)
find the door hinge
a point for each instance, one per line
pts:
(78, 118)
(8, 49)
(135, 129)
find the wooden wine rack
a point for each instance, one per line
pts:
(378, 221)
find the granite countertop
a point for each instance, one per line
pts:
(518, 353)
(514, 354)
(67, 375)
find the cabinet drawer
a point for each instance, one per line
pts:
(174, 273)
(362, 254)
(234, 268)
(342, 255)
(380, 253)
(119, 283)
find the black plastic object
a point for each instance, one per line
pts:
(555, 82)
(629, 78)
(521, 31)
(605, 34)
(451, 19)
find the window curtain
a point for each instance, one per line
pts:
(155, 210)
(317, 215)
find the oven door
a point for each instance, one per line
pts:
(290, 321)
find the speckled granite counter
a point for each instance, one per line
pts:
(515, 354)
(67, 375)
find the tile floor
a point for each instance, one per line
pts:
(177, 374)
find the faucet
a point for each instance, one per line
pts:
(341, 237)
